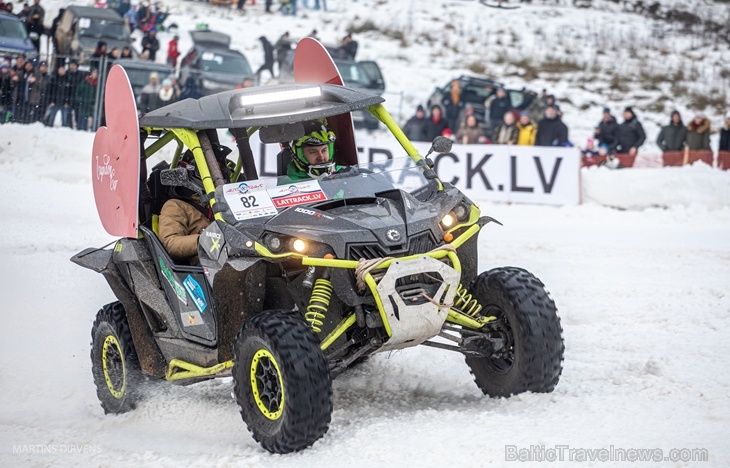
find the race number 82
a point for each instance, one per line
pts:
(249, 202)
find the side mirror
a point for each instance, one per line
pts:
(441, 145)
(178, 177)
(279, 133)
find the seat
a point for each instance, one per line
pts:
(156, 196)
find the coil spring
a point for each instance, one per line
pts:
(465, 302)
(318, 303)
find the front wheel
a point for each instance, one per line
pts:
(113, 360)
(281, 382)
(529, 328)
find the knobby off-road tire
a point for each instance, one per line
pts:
(281, 382)
(113, 360)
(530, 323)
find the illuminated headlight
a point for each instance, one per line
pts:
(274, 243)
(299, 246)
(448, 220)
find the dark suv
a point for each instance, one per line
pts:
(14, 38)
(475, 91)
(213, 64)
(81, 28)
(139, 71)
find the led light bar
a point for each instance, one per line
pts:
(279, 96)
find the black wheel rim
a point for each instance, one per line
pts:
(266, 384)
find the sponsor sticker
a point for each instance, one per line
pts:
(170, 277)
(190, 318)
(297, 194)
(196, 292)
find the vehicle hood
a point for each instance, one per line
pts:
(16, 45)
(393, 223)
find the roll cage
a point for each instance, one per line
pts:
(273, 111)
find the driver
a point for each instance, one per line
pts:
(313, 155)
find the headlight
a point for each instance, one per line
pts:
(299, 246)
(274, 243)
(461, 212)
(448, 220)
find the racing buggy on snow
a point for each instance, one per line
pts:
(296, 280)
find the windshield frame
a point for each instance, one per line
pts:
(361, 181)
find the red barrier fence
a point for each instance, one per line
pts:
(720, 160)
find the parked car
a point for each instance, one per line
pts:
(364, 74)
(476, 91)
(81, 28)
(212, 62)
(139, 72)
(14, 40)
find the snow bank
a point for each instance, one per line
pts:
(638, 188)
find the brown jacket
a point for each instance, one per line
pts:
(180, 226)
(698, 135)
(469, 135)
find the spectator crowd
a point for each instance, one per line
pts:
(613, 144)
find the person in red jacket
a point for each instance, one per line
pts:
(172, 51)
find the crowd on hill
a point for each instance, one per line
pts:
(540, 124)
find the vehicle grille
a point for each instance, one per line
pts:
(417, 244)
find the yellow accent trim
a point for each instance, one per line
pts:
(111, 340)
(371, 284)
(179, 370)
(118, 247)
(341, 328)
(379, 112)
(263, 353)
(190, 139)
(156, 224)
(476, 323)
(264, 252)
(159, 144)
(465, 236)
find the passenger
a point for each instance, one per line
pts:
(183, 217)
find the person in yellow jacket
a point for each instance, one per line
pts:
(527, 130)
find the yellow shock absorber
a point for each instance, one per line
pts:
(318, 303)
(465, 302)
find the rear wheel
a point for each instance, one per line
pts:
(113, 360)
(281, 382)
(529, 328)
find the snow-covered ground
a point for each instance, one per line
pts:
(642, 292)
(640, 273)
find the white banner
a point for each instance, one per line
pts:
(519, 174)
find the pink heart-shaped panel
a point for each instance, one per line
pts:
(115, 158)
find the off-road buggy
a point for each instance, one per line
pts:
(297, 281)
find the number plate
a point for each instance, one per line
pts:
(248, 200)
